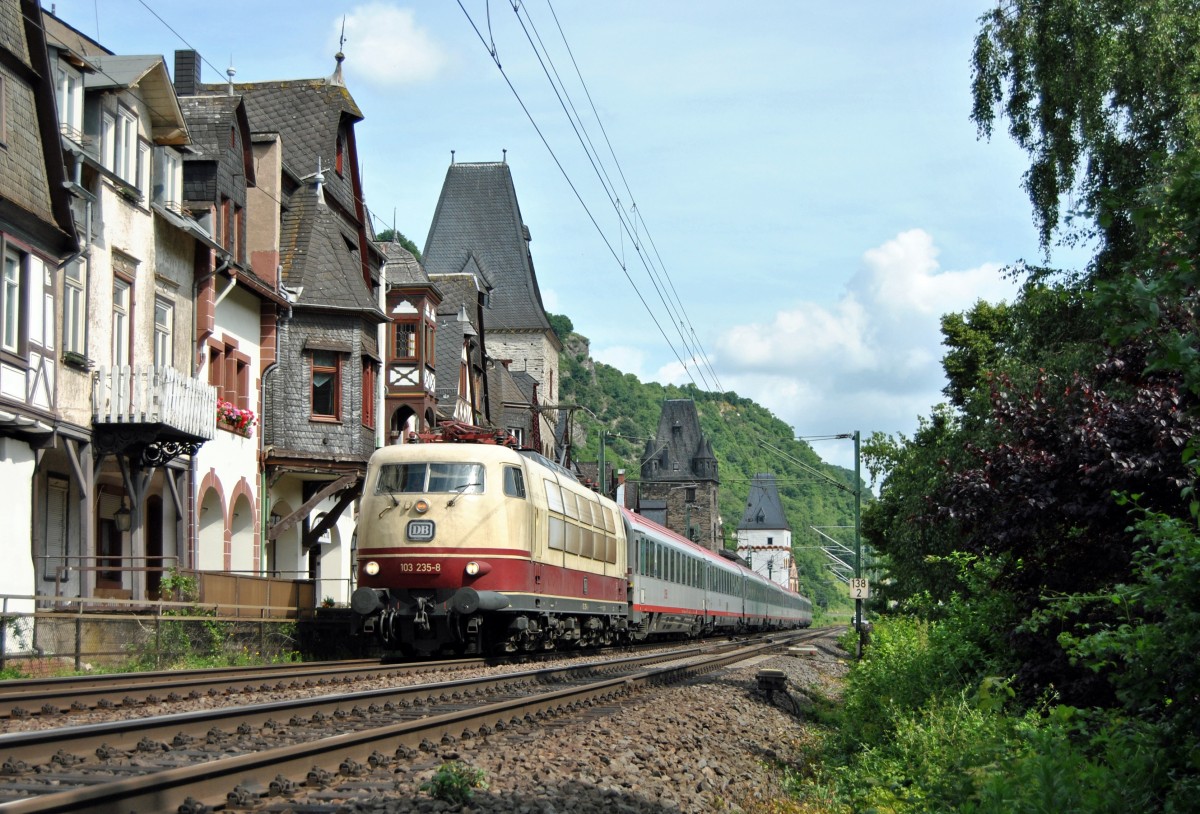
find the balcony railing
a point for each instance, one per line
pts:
(154, 395)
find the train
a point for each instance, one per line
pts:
(478, 547)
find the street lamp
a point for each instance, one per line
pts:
(123, 518)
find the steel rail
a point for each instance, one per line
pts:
(210, 783)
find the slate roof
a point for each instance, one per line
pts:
(306, 114)
(403, 268)
(317, 249)
(763, 507)
(209, 119)
(477, 225)
(681, 450)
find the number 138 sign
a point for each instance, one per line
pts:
(859, 588)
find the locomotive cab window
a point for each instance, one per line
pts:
(464, 479)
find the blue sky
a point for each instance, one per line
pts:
(804, 176)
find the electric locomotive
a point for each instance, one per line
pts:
(478, 547)
(475, 547)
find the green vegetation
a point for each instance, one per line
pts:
(455, 782)
(1035, 649)
(742, 434)
(387, 235)
(188, 637)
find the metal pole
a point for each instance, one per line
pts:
(857, 539)
(602, 479)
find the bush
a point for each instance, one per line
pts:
(454, 783)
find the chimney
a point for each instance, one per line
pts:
(187, 73)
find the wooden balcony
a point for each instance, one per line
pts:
(151, 407)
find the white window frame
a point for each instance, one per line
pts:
(108, 139)
(144, 176)
(125, 148)
(70, 102)
(169, 183)
(164, 328)
(75, 308)
(11, 289)
(122, 305)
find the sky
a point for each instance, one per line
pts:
(778, 199)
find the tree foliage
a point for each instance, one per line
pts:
(389, 235)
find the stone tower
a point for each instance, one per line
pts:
(679, 483)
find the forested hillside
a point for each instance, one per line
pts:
(740, 431)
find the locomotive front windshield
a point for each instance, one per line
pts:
(460, 479)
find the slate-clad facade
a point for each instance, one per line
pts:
(320, 396)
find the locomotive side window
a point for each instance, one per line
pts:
(554, 501)
(514, 482)
(558, 533)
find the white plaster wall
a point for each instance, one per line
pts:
(17, 463)
(232, 458)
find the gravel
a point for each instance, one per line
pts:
(714, 744)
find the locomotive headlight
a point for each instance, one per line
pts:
(421, 506)
(371, 568)
(476, 569)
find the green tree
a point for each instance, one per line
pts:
(1100, 93)
(388, 235)
(561, 325)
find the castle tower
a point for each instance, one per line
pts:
(764, 537)
(679, 482)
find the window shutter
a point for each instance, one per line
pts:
(56, 527)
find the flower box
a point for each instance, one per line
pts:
(234, 419)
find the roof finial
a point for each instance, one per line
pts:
(452, 158)
(318, 180)
(231, 72)
(505, 152)
(340, 57)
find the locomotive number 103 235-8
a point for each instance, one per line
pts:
(421, 567)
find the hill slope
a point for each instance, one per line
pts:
(742, 432)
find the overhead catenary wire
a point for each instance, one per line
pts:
(690, 358)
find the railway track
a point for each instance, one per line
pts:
(188, 761)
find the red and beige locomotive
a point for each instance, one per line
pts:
(480, 547)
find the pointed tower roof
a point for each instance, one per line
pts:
(763, 507)
(477, 225)
(680, 451)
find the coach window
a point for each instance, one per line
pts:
(514, 482)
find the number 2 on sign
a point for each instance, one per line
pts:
(859, 588)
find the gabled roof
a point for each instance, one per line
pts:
(763, 507)
(149, 75)
(318, 251)
(478, 222)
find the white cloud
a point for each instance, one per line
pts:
(623, 357)
(871, 361)
(385, 46)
